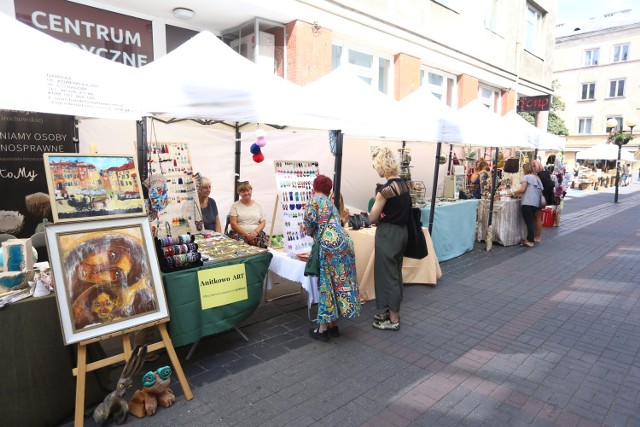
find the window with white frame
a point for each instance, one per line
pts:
(591, 57)
(619, 120)
(374, 69)
(533, 30)
(588, 91)
(620, 53)
(491, 9)
(616, 88)
(489, 97)
(442, 85)
(584, 126)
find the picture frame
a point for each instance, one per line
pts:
(106, 276)
(85, 187)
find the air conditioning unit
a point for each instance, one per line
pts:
(246, 46)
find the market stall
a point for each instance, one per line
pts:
(454, 227)
(425, 271)
(508, 225)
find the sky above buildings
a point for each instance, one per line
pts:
(585, 9)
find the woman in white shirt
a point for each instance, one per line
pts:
(247, 219)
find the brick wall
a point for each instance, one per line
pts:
(308, 52)
(467, 89)
(407, 74)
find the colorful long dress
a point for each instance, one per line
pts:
(338, 282)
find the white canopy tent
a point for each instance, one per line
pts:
(604, 151)
(45, 75)
(537, 137)
(484, 128)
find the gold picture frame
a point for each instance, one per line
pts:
(106, 276)
(85, 187)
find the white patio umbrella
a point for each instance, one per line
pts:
(604, 151)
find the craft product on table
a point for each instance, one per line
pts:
(218, 248)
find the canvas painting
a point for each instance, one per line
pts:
(106, 275)
(90, 187)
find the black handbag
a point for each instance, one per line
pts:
(417, 243)
(355, 222)
(512, 165)
(312, 266)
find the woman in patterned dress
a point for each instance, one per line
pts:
(338, 283)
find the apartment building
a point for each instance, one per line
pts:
(492, 50)
(597, 67)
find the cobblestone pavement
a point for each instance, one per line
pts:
(547, 336)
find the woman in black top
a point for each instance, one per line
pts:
(548, 192)
(391, 210)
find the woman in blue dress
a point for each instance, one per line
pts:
(338, 282)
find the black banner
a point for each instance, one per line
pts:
(24, 138)
(534, 103)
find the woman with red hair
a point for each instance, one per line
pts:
(338, 282)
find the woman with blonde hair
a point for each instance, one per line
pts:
(391, 210)
(210, 216)
(530, 191)
(247, 218)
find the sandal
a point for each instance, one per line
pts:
(334, 331)
(320, 336)
(387, 325)
(527, 244)
(381, 317)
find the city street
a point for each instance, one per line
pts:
(543, 336)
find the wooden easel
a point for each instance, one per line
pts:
(83, 367)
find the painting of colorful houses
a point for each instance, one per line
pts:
(89, 187)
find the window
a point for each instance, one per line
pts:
(616, 88)
(588, 91)
(371, 68)
(441, 85)
(620, 53)
(491, 14)
(591, 57)
(489, 97)
(533, 30)
(618, 118)
(584, 126)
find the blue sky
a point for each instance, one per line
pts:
(584, 9)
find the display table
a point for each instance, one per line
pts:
(454, 227)
(423, 271)
(508, 226)
(292, 269)
(189, 322)
(37, 387)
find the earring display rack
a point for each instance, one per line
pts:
(172, 160)
(294, 179)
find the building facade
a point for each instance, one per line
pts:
(492, 50)
(597, 67)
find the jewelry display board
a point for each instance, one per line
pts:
(173, 198)
(294, 179)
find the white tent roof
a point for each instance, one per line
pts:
(425, 107)
(46, 75)
(604, 151)
(206, 79)
(538, 137)
(484, 128)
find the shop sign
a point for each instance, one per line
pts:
(222, 285)
(534, 103)
(24, 138)
(119, 38)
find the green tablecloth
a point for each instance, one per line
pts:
(37, 386)
(189, 322)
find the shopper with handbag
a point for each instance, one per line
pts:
(531, 192)
(337, 279)
(548, 190)
(208, 207)
(391, 210)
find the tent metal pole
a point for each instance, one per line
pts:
(434, 191)
(494, 184)
(450, 159)
(337, 169)
(141, 148)
(236, 196)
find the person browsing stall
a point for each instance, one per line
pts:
(338, 281)
(208, 206)
(531, 191)
(247, 218)
(391, 210)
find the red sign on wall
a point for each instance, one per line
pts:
(534, 103)
(117, 37)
